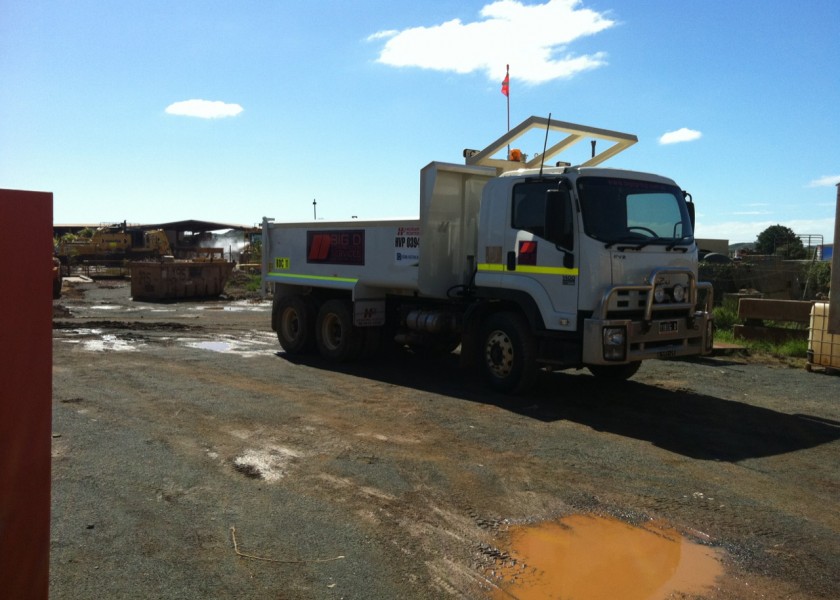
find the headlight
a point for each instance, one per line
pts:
(659, 295)
(613, 336)
(614, 343)
(679, 293)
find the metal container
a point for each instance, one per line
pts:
(178, 280)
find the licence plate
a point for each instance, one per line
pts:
(668, 326)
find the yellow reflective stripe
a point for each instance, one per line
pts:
(530, 269)
(490, 267)
(313, 277)
(545, 270)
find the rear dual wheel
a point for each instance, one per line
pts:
(336, 336)
(296, 324)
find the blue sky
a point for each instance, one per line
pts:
(233, 110)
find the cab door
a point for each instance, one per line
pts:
(540, 255)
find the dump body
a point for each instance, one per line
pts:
(344, 255)
(425, 256)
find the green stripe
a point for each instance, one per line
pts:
(313, 277)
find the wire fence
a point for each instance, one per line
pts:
(769, 277)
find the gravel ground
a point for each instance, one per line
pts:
(180, 429)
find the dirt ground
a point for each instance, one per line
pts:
(193, 459)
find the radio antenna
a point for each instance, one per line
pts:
(545, 144)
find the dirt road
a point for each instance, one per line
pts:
(183, 436)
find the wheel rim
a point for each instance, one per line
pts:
(331, 332)
(498, 354)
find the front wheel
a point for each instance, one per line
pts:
(615, 372)
(507, 354)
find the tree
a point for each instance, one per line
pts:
(780, 241)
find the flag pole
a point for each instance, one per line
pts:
(506, 92)
(507, 79)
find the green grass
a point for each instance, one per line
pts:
(253, 283)
(725, 318)
(793, 350)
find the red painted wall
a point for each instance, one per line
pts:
(25, 392)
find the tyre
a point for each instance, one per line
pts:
(295, 320)
(507, 356)
(615, 372)
(336, 336)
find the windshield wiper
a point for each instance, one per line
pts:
(635, 243)
(673, 245)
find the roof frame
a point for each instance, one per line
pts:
(575, 133)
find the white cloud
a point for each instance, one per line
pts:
(204, 109)
(680, 135)
(380, 35)
(827, 181)
(533, 39)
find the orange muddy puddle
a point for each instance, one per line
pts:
(584, 557)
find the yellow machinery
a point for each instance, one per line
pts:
(115, 243)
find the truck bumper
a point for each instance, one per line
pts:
(621, 341)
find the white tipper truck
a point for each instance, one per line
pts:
(524, 266)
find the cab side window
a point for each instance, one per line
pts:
(529, 207)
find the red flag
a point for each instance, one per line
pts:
(506, 84)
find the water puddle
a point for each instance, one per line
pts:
(214, 346)
(238, 306)
(247, 307)
(109, 343)
(585, 557)
(104, 342)
(249, 345)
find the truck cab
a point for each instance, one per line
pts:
(601, 262)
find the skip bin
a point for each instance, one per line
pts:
(178, 280)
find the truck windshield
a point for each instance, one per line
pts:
(633, 211)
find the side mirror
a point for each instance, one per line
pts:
(689, 202)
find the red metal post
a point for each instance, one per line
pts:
(25, 393)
